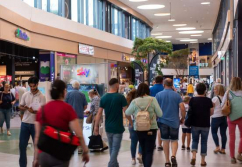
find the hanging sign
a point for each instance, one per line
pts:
(139, 74)
(85, 49)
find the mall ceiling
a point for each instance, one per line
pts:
(195, 15)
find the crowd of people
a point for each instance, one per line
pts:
(155, 114)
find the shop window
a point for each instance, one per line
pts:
(44, 5)
(54, 6)
(74, 10)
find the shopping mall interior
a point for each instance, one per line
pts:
(90, 42)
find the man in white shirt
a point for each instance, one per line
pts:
(30, 102)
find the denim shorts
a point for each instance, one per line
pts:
(186, 130)
(168, 133)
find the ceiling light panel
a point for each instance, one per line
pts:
(154, 34)
(171, 20)
(210, 39)
(138, 0)
(152, 6)
(191, 32)
(196, 35)
(168, 41)
(205, 3)
(186, 28)
(179, 25)
(188, 40)
(163, 37)
(162, 14)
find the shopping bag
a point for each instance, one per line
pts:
(95, 142)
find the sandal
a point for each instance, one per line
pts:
(173, 161)
(216, 151)
(168, 164)
(193, 162)
(205, 164)
(233, 161)
(222, 152)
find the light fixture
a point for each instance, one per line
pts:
(205, 3)
(154, 34)
(170, 14)
(162, 14)
(191, 32)
(179, 25)
(137, 0)
(33, 58)
(210, 39)
(188, 40)
(181, 38)
(196, 35)
(152, 6)
(168, 41)
(163, 37)
(193, 42)
(171, 20)
(186, 28)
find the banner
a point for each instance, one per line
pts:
(139, 74)
(152, 66)
(193, 71)
(44, 73)
(52, 66)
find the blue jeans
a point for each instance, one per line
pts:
(26, 131)
(190, 94)
(114, 141)
(134, 142)
(220, 122)
(5, 115)
(196, 132)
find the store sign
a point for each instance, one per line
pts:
(85, 49)
(193, 71)
(21, 35)
(83, 72)
(5, 78)
(24, 72)
(22, 64)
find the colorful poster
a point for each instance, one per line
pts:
(139, 74)
(193, 57)
(176, 82)
(193, 71)
(44, 67)
(65, 59)
(52, 66)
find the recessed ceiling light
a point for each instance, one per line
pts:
(196, 35)
(186, 28)
(181, 38)
(210, 39)
(179, 25)
(171, 20)
(163, 37)
(152, 6)
(137, 0)
(162, 14)
(205, 3)
(191, 32)
(193, 42)
(153, 34)
(188, 40)
(168, 41)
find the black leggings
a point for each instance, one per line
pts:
(147, 143)
(46, 160)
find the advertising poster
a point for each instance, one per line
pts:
(176, 82)
(85, 74)
(65, 59)
(44, 67)
(193, 57)
(152, 67)
(52, 66)
(193, 71)
(139, 74)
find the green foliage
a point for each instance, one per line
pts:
(180, 53)
(143, 47)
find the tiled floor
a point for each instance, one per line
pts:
(9, 154)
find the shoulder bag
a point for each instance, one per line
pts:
(236, 106)
(226, 110)
(59, 144)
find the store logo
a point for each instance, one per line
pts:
(83, 72)
(21, 35)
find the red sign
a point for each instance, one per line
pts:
(5, 78)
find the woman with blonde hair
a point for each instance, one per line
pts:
(218, 120)
(235, 117)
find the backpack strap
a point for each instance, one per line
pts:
(232, 94)
(219, 99)
(149, 104)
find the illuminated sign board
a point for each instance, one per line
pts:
(21, 35)
(83, 72)
(85, 49)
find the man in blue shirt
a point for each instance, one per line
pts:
(78, 101)
(170, 102)
(157, 87)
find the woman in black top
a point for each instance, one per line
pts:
(6, 102)
(200, 109)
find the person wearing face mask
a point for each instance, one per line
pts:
(95, 100)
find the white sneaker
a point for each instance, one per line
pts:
(9, 133)
(140, 160)
(133, 162)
